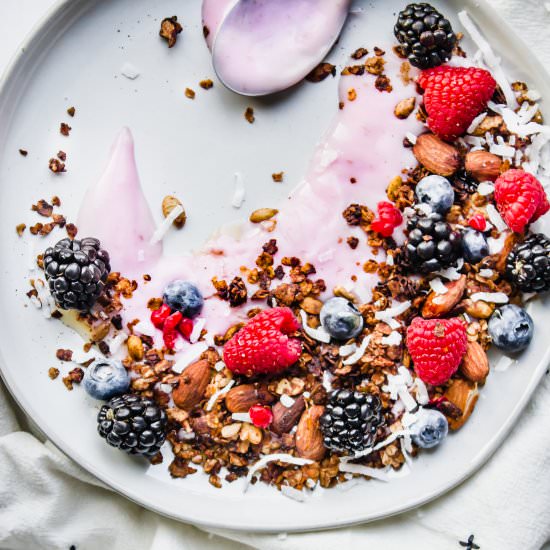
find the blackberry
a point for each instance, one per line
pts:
(76, 272)
(427, 38)
(351, 421)
(528, 264)
(464, 186)
(133, 424)
(432, 244)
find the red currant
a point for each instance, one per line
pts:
(261, 416)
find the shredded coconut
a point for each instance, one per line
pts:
(190, 355)
(490, 297)
(504, 363)
(495, 218)
(485, 188)
(422, 395)
(197, 329)
(394, 339)
(117, 342)
(218, 394)
(374, 473)
(411, 137)
(286, 401)
(145, 328)
(476, 122)
(320, 334)
(346, 350)
(219, 366)
(164, 226)
(241, 417)
(327, 380)
(239, 193)
(354, 357)
(293, 493)
(451, 273)
(387, 315)
(129, 71)
(438, 287)
(486, 273)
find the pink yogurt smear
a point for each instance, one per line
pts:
(365, 142)
(265, 46)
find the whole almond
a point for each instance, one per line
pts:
(483, 166)
(135, 347)
(475, 364)
(436, 156)
(309, 438)
(241, 398)
(437, 305)
(464, 395)
(168, 204)
(285, 418)
(263, 214)
(192, 384)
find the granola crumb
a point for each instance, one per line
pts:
(72, 230)
(20, 228)
(206, 84)
(56, 166)
(190, 93)
(23, 152)
(53, 373)
(56, 201)
(61, 155)
(249, 115)
(359, 53)
(379, 52)
(71, 111)
(64, 129)
(353, 242)
(169, 30)
(352, 94)
(319, 73)
(383, 83)
(43, 208)
(64, 354)
(278, 177)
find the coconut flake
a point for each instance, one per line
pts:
(286, 401)
(504, 363)
(117, 342)
(48, 303)
(240, 191)
(394, 339)
(535, 95)
(486, 273)
(348, 349)
(452, 273)
(476, 122)
(354, 357)
(326, 256)
(190, 355)
(293, 493)
(129, 71)
(495, 218)
(320, 334)
(164, 226)
(502, 150)
(145, 328)
(387, 315)
(422, 395)
(490, 297)
(218, 394)
(327, 380)
(219, 366)
(485, 188)
(277, 457)
(198, 325)
(438, 287)
(489, 57)
(374, 473)
(411, 138)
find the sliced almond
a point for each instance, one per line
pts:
(437, 305)
(436, 156)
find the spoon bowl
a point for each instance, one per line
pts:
(266, 46)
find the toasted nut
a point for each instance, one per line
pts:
(135, 347)
(285, 418)
(437, 305)
(311, 305)
(341, 292)
(478, 309)
(436, 156)
(168, 204)
(489, 123)
(251, 434)
(231, 431)
(241, 398)
(291, 387)
(405, 107)
(309, 438)
(100, 331)
(263, 214)
(475, 364)
(464, 395)
(192, 384)
(482, 165)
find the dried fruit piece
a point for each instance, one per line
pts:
(261, 416)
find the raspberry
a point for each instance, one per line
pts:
(387, 220)
(186, 327)
(261, 416)
(520, 198)
(478, 222)
(159, 316)
(436, 347)
(453, 97)
(262, 346)
(169, 330)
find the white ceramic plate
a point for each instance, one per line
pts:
(193, 147)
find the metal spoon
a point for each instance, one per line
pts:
(265, 46)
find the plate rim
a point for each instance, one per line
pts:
(36, 33)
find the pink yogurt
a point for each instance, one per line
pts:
(365, 142)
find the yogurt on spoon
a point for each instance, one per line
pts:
(264, 46)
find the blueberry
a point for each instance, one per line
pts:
(474, 246)
(511, 328)
(105, 378)
(184, 297)
(430, 428)
(437, 192)
(341, 319)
